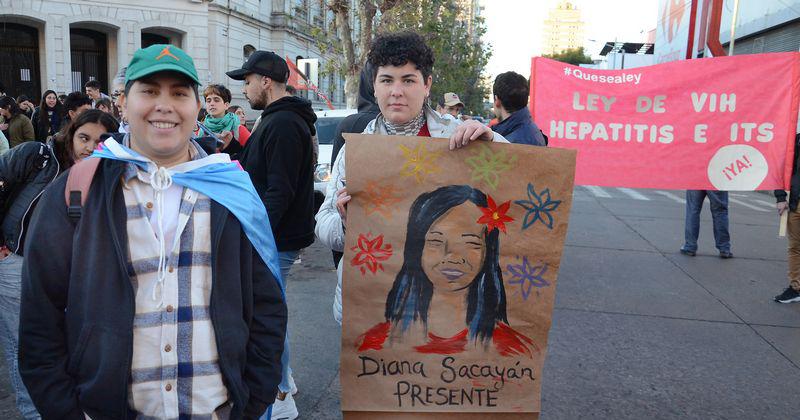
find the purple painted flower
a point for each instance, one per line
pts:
(527, 276)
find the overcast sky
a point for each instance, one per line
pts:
(514, 27)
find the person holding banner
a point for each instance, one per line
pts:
(792, 293)
(718, 201)
(403, 64)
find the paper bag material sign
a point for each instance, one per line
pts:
(449, 276)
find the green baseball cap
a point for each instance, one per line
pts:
(160, 57)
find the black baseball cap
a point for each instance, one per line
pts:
(265, 63)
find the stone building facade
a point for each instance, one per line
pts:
(60, 44)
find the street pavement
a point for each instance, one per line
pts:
(639, 330)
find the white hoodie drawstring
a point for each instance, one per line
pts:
(160, 180)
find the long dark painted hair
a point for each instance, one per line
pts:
(410, 297)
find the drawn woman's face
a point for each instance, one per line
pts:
(454, 249)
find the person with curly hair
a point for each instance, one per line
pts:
(402, 81)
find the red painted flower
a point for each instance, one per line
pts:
(494, 216)
(370, 252)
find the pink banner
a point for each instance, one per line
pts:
(724, 123)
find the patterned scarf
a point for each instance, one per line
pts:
(410, 128)
(228, 122)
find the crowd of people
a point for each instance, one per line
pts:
(150, 280)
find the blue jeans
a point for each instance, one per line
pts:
(719, 214)
(10, 286)
(286, 260)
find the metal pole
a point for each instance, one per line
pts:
(733, 25)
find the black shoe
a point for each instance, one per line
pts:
(788, 296)
(725, 254)
(687, 252)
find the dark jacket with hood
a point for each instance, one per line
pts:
(78, 306)
(367, 110)
(794, 192)
(279, 158)
(520, 128)
(43, 129)
(25, 171)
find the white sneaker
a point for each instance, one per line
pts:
(292, 385)
(284, 409)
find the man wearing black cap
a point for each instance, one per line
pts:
(278, 157)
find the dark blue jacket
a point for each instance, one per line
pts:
(77, 308)
(794, 186)
(25, 171)
(520, 128)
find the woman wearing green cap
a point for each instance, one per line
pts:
(162, 297)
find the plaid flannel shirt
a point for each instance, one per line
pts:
(175, 371)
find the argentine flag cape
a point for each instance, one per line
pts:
(220, 179)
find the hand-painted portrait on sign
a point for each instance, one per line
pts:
(451, 274)
(448, 281)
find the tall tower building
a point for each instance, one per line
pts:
(563, 28)
(469, 11)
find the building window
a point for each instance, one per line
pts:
(19, 53)
(301, 8)
(149, 39)
(89, 52)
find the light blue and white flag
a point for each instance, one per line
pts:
(222, 180)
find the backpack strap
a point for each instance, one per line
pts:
(79, 180)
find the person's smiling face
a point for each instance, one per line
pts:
(455, 248)
(161, 111)
(401, 92)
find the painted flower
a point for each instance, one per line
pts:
(538, 207)
(527, 276)
(370, 252)
(487, 165)
(381, 199)
(420, 162)
(495, 216)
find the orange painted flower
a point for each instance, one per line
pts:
(494, 216)
(370, 253)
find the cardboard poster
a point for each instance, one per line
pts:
(449, 277)
(723, 123)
